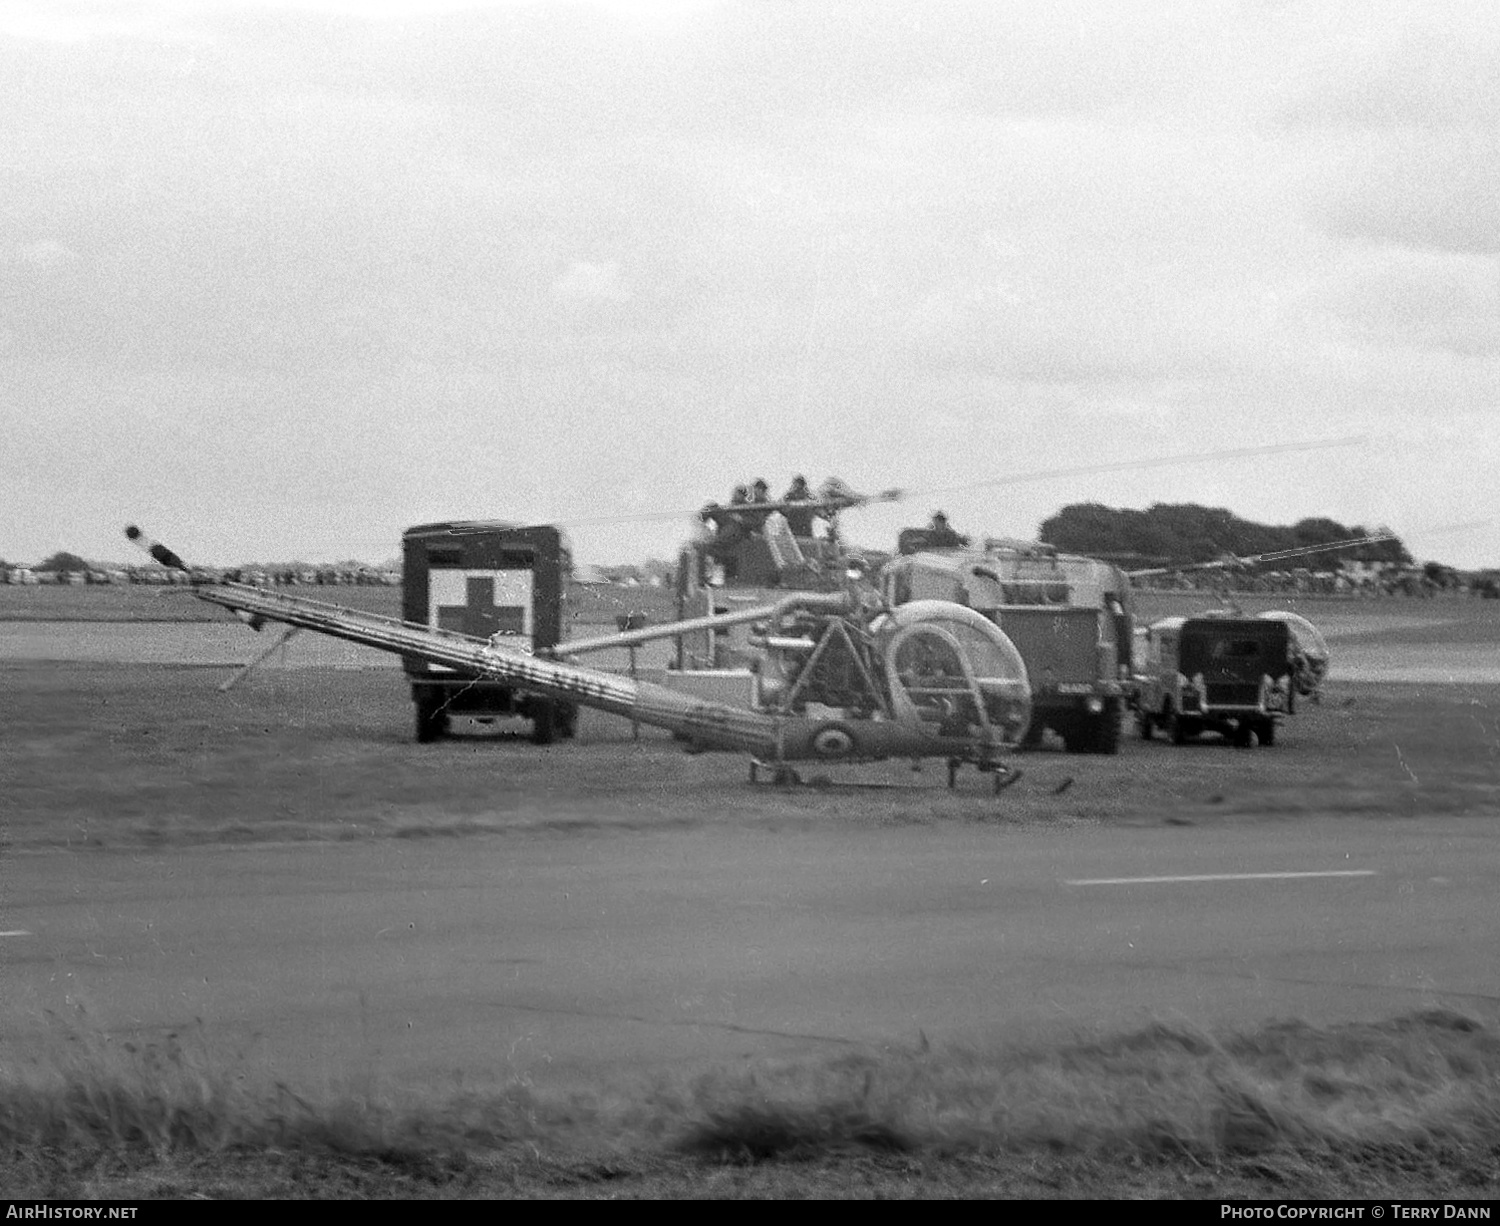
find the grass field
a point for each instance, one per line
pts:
(129, 756)
(116, 757)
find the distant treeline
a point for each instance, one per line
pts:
(1174, 534)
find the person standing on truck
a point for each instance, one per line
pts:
(941, 536)
(799, 519)
(760, 493)
(729, 529)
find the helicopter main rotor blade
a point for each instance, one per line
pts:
(898, 495)
(1084, 470)
(1255, 559)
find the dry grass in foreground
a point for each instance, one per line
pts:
(1408, 1107)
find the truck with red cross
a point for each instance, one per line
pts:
(482, 579)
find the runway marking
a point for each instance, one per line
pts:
(15, 932)
(1342, 872)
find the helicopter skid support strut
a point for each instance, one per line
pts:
(1003, 776)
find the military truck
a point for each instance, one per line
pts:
(1221, 673)
(484, 580)
(1070, 617)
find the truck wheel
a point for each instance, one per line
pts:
(544, 724)
(1240, 737)
(567, 721)
(1266, 733)
(1145, 725)
(1177, 729)
(432, 720)
(1104, 729)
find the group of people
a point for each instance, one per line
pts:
(750, 506)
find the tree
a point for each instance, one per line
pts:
(64, 563)
(1185, 533)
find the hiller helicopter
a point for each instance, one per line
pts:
(846, 679)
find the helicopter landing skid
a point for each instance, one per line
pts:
(1004, 776)
(783, 776)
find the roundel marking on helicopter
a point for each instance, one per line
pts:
(834, 741)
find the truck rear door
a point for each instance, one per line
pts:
(1232, 657)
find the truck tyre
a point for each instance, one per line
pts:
(1145, 725)
(432, 719)
(544, 724)
(1266, 733)
(1177, 728)
(567, 720)
(1104, 730)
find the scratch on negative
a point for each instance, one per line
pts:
(1410, 773)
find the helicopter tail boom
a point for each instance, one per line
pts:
(730, 727)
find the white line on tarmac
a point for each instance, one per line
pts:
(17, 932)
(1347, 872)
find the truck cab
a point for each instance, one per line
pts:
(1226, 674)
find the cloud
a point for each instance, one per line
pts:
(1420, 299)
(584, 283)
(1416, 189)
(1391, 67)
(42, 255)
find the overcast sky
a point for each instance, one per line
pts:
(281, 279)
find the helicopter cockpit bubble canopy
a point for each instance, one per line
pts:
(947, 665)
(1309, 639)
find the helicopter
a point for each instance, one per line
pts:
(846, 679)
